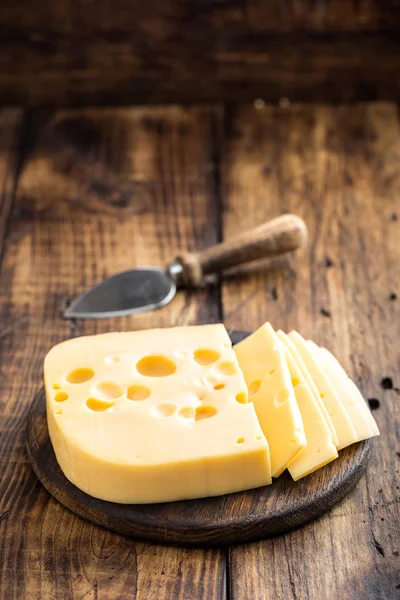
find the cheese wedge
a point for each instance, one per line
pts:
(267, 376)
(320, 448)
(154, 416)
(355, 405)
(287, 342)
(341, 420)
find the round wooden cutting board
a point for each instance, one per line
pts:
(239, 517)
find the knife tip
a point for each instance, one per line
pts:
(70, 312)
(66, 314)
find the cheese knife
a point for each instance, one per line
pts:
(147, 288)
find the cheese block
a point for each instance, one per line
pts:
(154, 416)
(267, 376)
(320, 448)
(360, 415)
(287, 342)
(340, 418)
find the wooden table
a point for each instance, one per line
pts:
(86, 193)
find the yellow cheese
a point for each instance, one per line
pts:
(154, 416)
(320, 448)
(357, 409)
(341, 421)
(267, 376)
(287, 342)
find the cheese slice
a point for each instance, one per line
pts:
(287, 342)
(341, 420)
(356, 407)
(320, 449)
(154, 416)
(267, 376)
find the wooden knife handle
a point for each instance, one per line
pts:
(272, 238)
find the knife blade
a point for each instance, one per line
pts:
(126, 293)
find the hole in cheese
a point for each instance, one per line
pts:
(206, 357)
(204, 412)
(61, 397)
(107, 390)
(113, 360)
(241, 398)
(56, 386)
(219, 386)
(80, 375)
(165, 410)
(155, 366)
(295, 381)
(240, 441)
(254, 387)
(322, 395)
(98, 405)
(282, 397)
(186, 412)
(227, 368)
(138, 392)
(272, 371)
(59, 411)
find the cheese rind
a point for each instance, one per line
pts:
(264, 367)
(341, 421)
(320, 449)
(181, 430)
(357, 409)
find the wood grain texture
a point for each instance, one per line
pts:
(339, 169)
(119, 52)
(293, 15)
(98, 192)
(10, 123)
(325, 15)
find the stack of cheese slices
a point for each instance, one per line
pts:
(171, 414)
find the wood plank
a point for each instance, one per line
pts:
(269, 66)
(339, 169)
(10, 122)
(119, 17)
(144, 52)
(323, 16)
(100, 191)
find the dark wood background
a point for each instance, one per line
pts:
(74, 52)
(88, 192)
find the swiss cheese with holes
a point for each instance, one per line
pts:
(345, 431)
(357, 409)
(320, 449)
(154, 416)
(267, 375)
